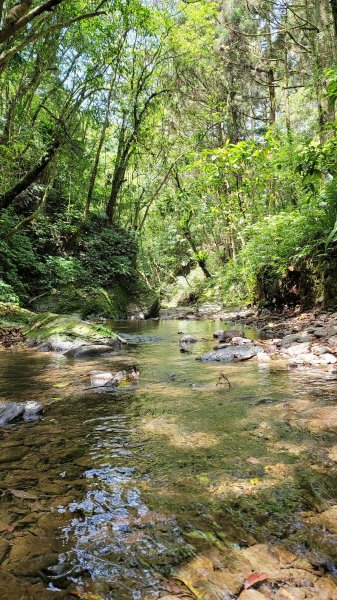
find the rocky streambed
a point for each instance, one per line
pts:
(176, 485)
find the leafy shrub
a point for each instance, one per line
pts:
(7, 293)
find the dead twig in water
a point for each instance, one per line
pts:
(223, 380)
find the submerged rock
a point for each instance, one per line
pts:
(98, 378)
(32, 410)
(188, 339)
(10, 411)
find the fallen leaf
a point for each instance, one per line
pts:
(24, 495)
(62, 385)
(254, 480)
(253, 579)
(192, 589)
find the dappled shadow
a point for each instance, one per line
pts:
(126, 487)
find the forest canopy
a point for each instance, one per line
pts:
(142, 142)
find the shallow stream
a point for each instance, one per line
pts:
(109, 493)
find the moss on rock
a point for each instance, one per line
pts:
(40, 328)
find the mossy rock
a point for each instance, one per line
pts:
(39, 328)
(68, 327)
(13, 315)
(87, 302)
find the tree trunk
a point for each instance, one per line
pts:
(272, 96)
(333, 4)
(117, 182)
(29, 178)
(18, 17)
(201, 262)
(123, 154)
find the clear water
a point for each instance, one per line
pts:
(122, 487)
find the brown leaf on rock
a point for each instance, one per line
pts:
(254, 578)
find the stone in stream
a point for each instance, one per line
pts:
(32, 411)
(98, 378)
(224, 335)
(90, 351)
(10, 411)
(231, 354)
(188, 339)
(116, 380)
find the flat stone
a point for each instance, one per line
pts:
(240, 340)
(328, 359)
(89, 351)
(252, 595)
(319, 349)
(263, 559)
(297, 349)
(227, 334)
(231, 354)
(58, 344)
(324, 332)
(288, 340)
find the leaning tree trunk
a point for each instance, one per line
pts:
(30, 177)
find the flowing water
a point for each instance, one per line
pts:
(110, 492)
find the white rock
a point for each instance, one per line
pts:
(297, 349)
(318, 349)
(328, 359)
(98, 378)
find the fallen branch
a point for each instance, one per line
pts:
(222, 380)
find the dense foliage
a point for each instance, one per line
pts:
(139, 141)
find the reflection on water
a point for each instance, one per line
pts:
(124, 486)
